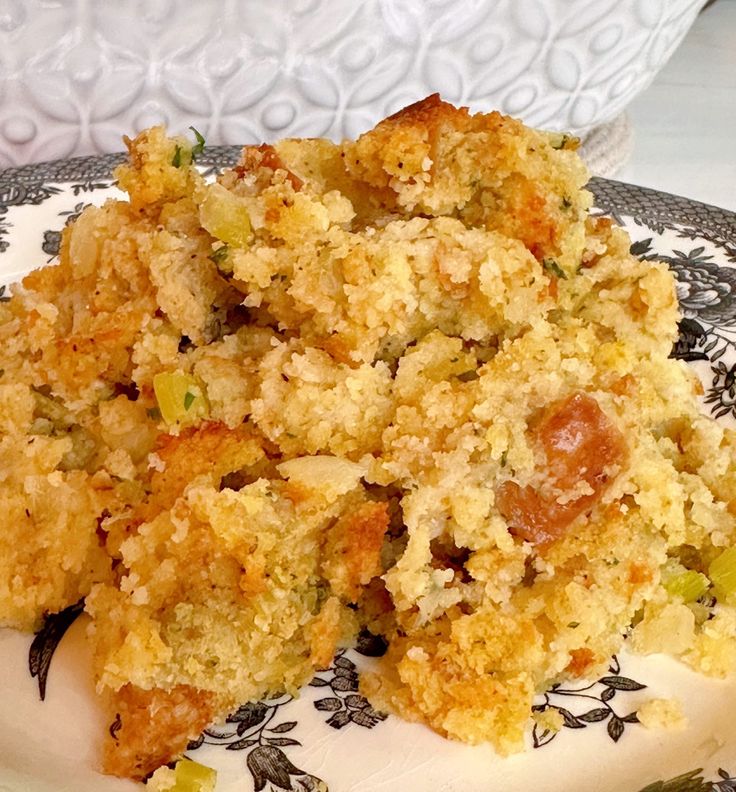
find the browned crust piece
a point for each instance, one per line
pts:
(149, 727)
(353, 549)
(434, 159)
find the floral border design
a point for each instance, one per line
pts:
(660, 211)
(265, 760)
(52, 238)
(253, 732)
(258, 729)
(5, 227)
(693, 781)
(600, 692)
(707, 295)
(345, 705)
(47, 640)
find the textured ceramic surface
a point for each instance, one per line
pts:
(75, 74)
(331, 736)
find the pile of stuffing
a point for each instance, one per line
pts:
(406, 384)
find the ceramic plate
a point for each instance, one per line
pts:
(330, 736)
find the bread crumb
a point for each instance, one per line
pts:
(663, 714)
(549, 720)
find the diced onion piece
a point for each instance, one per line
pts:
(225, 216)
(83, 244)
(188, 776)
(194, 777)
(722, 571)
(181, 398)
(688, 584)
(332, 475)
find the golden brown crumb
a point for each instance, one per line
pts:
(353, 549)
(149, 727)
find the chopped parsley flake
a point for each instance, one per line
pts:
(552, 266)
(198, 147)
(176, 159)
(219, 255)
(189, 398)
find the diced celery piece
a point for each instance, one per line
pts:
(181, 398)
(193, 777)
(561, 140)
(722, 571)
(225, 216)
(689, 585)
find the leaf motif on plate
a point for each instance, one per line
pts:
(569, 720)
(339, 719)
(692, 781)
(615, 728)
(249, 715)
(595, 715)
(346, 705)
(239, 745)
(608, 694)
(328, 704)
(265, 759)
(283, 727)
(371, 645)
(621, 683)
(47, 640)
(115, 726)
(602, 690)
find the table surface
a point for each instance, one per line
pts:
(685, 122)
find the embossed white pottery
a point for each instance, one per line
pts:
(76, 74)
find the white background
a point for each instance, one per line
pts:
(685, 122)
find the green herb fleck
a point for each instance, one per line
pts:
(154, 413)
(504, 458)
(198, 147)
(552, 266)
(566, 202)
(573, 625)
(220, 255)
(176, 159)
(189, 398)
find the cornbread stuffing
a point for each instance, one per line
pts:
(406, 384)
